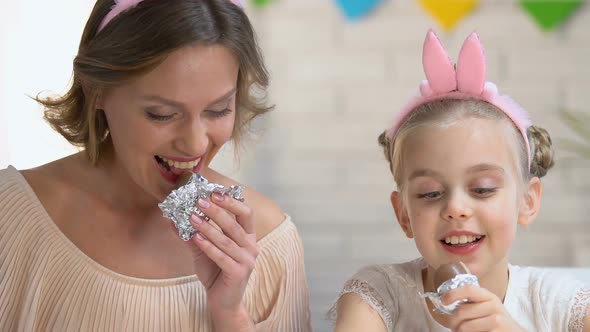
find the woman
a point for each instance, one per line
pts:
(158, 88)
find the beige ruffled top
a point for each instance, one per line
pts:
(48, 284)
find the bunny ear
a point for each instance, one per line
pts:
(119, 7)
(438, 67)
(471, 67)
(239, 3)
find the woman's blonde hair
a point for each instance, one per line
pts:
(135, 42)
(445, 111)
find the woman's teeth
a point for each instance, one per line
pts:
(462, 239)
(181, 165)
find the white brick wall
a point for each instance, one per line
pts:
(337, 84)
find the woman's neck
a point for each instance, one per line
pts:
(118, 188)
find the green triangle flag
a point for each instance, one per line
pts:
(261, 3)
(549, 14)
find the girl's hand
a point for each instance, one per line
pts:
(225, 259)
(485, 312)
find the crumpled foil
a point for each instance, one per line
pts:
(181, 203)
(458, 281)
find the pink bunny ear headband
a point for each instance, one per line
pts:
(123, 5)
(466, 82)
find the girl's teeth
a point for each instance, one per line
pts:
(181, 165)
(461, 239)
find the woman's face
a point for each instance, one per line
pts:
(174, 118)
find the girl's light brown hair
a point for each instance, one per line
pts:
(440, 112)
(135, 42)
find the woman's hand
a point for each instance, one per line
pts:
(484, 312)
(225, 259)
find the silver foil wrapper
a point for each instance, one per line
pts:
(181, 203)
(458, 281)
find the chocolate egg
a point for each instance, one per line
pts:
(183, 179)
(448, 271)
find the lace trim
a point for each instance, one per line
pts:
(369, 295)
(581, 304)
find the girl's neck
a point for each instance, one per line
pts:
(496, 280)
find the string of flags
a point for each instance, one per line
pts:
(448, 13)
(548, 14)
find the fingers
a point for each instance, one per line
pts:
(470, 312)
(483, 312)
(232, 248)
(242, 211)
(222, 213)
(483, 324)
(225, 244)
(472, 293)
(225, 263)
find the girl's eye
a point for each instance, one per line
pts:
(430, 195)
(484, 191)
(157, 117)
(219, 114)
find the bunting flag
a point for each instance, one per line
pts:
(449, 12)
(261, 3)
(356, 9)
(549, 14)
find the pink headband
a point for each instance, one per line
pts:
(466, 82)
(123, 5)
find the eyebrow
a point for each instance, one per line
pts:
(423, 172)
(224, 98)
(485, 167)
(473, 169)
(176, 104)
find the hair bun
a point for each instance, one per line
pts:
(541, 145)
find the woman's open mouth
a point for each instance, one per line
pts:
(177, 167)
(171, 169)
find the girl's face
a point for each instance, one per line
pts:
(462, 194)
(174, 118)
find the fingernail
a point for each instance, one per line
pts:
(218, 197)
(196, 219)
(204, 203)
(200, 237)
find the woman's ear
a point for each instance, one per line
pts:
(531, 204)
(99, 104)
(99, 101)
(401, 214)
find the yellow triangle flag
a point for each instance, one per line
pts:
(449, 12)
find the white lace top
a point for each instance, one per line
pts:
(537, 299)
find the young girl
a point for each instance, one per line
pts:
(467, 163)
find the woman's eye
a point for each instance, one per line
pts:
(158, 117)
(430, 195)
(219, 114)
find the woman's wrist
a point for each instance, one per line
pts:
(238, 319)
